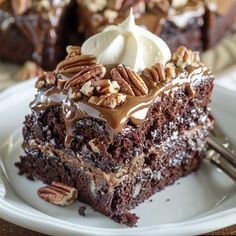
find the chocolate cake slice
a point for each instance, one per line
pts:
(119, 132)
(196, 24)
(37, 30)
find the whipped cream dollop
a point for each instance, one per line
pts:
(127, 44)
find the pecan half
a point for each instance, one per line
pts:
(158, 6)
(88, 73)
(48, 78)
(40, 82)
(124, 86)
(73, 51)
(87, 89)
(74, 93)
(21, 6)
(94, 5)
(106, 86)
(108, 100)
(75, 64)
(61, 80)
(190, 90)
(158, 73)
(184, 57)
(102, 86)
(130, 82)
(58, 193)
(170, 71)
(124, 6)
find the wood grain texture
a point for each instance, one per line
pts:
(8, 229)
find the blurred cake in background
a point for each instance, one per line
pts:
(197, 24)
(40, 30)
(36, 30)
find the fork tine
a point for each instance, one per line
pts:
(222, 150)
(223, 164)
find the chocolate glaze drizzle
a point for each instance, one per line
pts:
(135, 109)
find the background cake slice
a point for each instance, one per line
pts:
(115, 133)
(196, 24)
(37, 30)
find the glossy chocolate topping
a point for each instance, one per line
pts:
(135, 108)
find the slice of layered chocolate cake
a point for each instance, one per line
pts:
(118, 120)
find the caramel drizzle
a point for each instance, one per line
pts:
(135, 109)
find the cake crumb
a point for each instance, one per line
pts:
(150, 200)
(167, 199)
(127, 218)
(30, 177)
(81, 210)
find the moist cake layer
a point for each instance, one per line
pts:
(173, 112)
(113, 194)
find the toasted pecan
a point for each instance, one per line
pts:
(108, 100)
(90, 72)
(184, 57)
(58, 193)
(73, 51)
(158, 73)
(75, 64)
(130, 82)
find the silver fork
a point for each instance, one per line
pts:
(2, 185)
(220, 154)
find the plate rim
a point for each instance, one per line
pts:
(202, 225)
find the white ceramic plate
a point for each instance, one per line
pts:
(201, 202)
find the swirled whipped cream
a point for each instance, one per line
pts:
(127, 44)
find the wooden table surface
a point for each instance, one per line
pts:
(8, 229)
